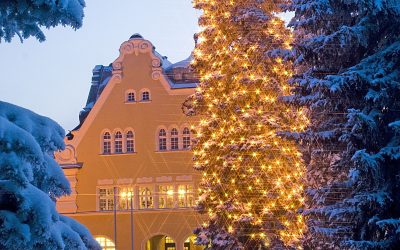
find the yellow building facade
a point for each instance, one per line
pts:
(128, 161)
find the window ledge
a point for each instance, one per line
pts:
(132, 102)
(114, 154)
(172, 151)
(146, 209)
(144, 101)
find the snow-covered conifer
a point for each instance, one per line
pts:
(349, 78)
(30, 181)
(26, 18)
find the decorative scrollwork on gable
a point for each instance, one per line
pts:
(156, 63)
(156, 75)
(136, 46)
(67, 156)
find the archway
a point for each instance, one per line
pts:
(160, 242)
(189, 244)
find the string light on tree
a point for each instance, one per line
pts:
(252, 176)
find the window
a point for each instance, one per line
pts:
(185, 196)
(146, 96)
(125, 194)
(190, 241)
(130, 97)
(106, 199)
(105, 243)
(145, 198)
(169, 243)
(162, 140)
(174, 139)
(106, 143)
(165, 196)
(118, 142)
(130, 142)
(186, 138)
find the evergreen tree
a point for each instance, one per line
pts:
(349, 79)
(25, 18)
(252, 178)
(30, 181)
(30, 178)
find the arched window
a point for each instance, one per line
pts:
(105, 243)
(130, 97)
(162, 140)
(106, 143)
(118, 142)
(146, 96)
(145, 198)
(186, 138)
(130, 142)
(174, 139)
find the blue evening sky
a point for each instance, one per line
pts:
(53, 78)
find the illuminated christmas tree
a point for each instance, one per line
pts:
(252, 175)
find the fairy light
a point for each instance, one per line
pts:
(244, 162)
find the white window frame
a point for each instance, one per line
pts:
(174, 139)
(125, 193)
(166, 194)
(186, 194)
(108, 141)
(108, 197)
(118, 142)
(147, 198)
(129, 140)
(142, 93)
(130, 97)
(162, 140)
(186, 138)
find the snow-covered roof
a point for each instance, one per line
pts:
(165, 63)
(182, 64)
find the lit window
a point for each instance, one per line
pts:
(166, 196)
(105, 243)
(130, 142)
(125, 196)
(169, 243)
(146, 96)
(168, 240)
(145, 198)
(106, 143)
(174, 139)
(162, 140)
(130, 97)
(185, 196)
(118, 142)
(191, 242)
(186, 138)
(106, 199)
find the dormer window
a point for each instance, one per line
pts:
(146, 96)
(130, 97)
